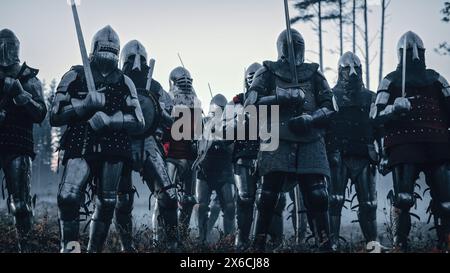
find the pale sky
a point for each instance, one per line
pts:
(216, 38)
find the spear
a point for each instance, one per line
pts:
(181, 60)
(210, 91)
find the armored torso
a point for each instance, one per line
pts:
(244, 149)
(350, 129)
(79, 139)
(16, 131)
(427, 122)
(280, 77)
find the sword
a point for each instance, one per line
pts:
(86, 64)
(84, 56)
(404, 69)
(292, 63)
(151, 66)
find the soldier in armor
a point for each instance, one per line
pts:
(148, 153)
(246, 176)
(413, 105)
(96, 143)
(301, 155)
(182, 153)
(21, 106)
(351, 150)
(214, 173)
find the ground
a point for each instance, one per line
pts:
(45, 237)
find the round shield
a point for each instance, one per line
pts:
(151, 110)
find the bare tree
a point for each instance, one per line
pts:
(384, 6)
(366, 43)
(354, 26)
(319, 16)
(314, 9)
(341, 29)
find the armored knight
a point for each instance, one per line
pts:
(351, 150)
(148, 154)
(21, 106)
(96, 143)
(182, 153)
(214, 173)
(246, 176)
(413, 106)
(301, 155)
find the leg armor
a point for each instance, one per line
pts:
(226, 198)
(314, 188)
(266, 202)
(277, 226)
(302, 223)
(123, 216)
(70, 198)
(105, 204)
(438, 179)
(336, 189)
(203, 196)
(180, 172)
(404, 177)
(367, 198)
(246, 184)
(18, 182)
(214, 212)
(156, 174)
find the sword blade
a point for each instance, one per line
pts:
(404, 69)
(292, 63)
(84, 56)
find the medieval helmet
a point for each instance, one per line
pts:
(350, 67)
(134, 49)
(105, 47)
(181, 78)
(9, 48)
(298, 43)
(413, 42)
(250, 74)
(217, 104)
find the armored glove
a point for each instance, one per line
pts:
(290, 96)
(94, 101)
(301, 124)
(2, 116)
(102, 121)
(401, 106)
(12, 87)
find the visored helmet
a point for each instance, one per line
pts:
(9, 48)
(250, 74)
(298, 43)
(180, 78)
(105, 47)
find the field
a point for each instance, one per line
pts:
(45, 237)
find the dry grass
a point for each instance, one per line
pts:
(45, 238)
